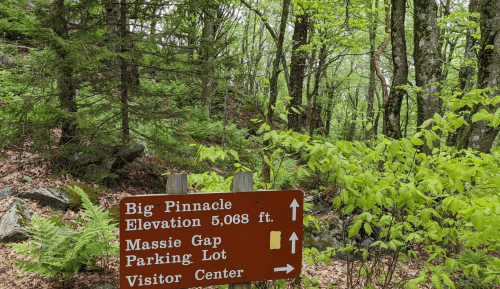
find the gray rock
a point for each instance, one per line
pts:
(101, 161)
(26, 179)
(367, 242)
(106, 286)
(5, 60)
(6, 192)
(127, 155)
(52, 197)
(31, 4)
(13, 225)
(329, 237)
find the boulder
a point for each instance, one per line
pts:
(26, 179)
(331, 236)
(13, 225)
(6, 192)
(327, 237)
(51, 197)
(100, 161)
(127, 154)
(5, 60)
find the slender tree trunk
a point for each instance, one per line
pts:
(351, 128)
(124, 74)
(372, 29)
(392, 107)
(317, 107)
(273, 82)
(488, 75)
(297, 67)
(208, 56)
(113, 23)
(380, 49)
(66, 82)
(427, 61)
(465, 77)
(380, 102)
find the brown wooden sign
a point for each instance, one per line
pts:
(179, 241)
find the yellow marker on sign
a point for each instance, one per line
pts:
(275, 240)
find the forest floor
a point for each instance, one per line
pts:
(18, 161)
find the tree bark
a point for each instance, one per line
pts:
(370, 99)
(297, 67)
(380, 49)
(317, 107)
(488, 74)
(124, 73)
(207, 42)
(66, 82)
(465, 75)
(273, 82)
(392, 106)
(427, 65)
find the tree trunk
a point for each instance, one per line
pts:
(297, 67)
(66, 83)
(317, 107)
(370, 99)
(465, 76)
(392, 106)
(488, 74)
(427, 61)
(380, 49)
(351, 128)
(273, 82)
(124, 73)
(207, 69)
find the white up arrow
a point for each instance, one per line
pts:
(293, 238)
(288, 269)
(294, 206)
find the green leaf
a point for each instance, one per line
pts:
(380, 148)
(497, 181)
(478, 220)
(447, 281)
(436, 281)
(489, 279)
(481, 115)
(369, 126)
(368, 228)
(353, 231)
(416, 141)
(425, 215)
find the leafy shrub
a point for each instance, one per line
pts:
(55, 254)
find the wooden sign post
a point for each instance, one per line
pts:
(242, 181)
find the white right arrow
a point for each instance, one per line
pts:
(288, 269)
(294, 206)
(293, 238)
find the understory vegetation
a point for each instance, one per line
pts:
(389, 109)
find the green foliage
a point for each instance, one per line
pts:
(56, 251)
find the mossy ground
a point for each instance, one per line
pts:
(75, 201)
(114, 213)
(23, 220)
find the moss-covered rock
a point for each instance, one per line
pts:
(114, 213)
(75, 201)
